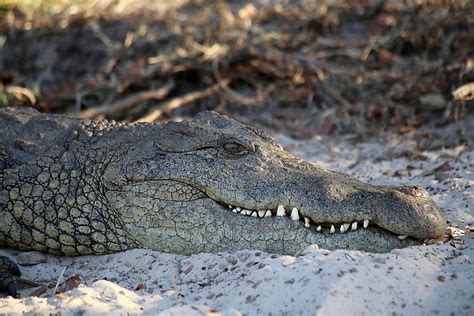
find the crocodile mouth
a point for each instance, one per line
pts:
(326, 228)
(363, 231)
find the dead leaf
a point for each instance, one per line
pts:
(71, 283)
(140, 286)
(464, 92)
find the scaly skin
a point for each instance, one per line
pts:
(77, 188)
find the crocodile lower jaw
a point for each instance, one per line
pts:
(323, 228)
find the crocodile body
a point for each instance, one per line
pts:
(213, 184)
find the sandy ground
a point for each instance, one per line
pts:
(427, 280)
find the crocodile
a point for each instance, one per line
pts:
(73, 187)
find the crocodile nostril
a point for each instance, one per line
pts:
(423, 193)
(413, 190)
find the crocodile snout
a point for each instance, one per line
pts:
(413, 213)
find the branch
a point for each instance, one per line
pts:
(175, 103)
(128, 102)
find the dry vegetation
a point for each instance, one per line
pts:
(303, 67)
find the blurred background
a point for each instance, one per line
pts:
(302, 68)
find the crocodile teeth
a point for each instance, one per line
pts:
(238, 209)
(280, 210)
(261, 213)
(402, 237)
(268, 213)
(294, 214)
(333, 230)
(247, 212)
(354, 226)
(230, 206)
(254, 214)
(319, 228)
(366, 223)
(306, 222)
(234, 210)
(342, 229)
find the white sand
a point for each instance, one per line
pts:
(426, 280)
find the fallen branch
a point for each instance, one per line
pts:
(128, 102)
(177, 102)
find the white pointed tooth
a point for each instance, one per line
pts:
(238, 209)
(268, 213)
(247, 212)
(318, 229)
(254, 214)
(294, 214)
(346, 226)
(280, 210)
(230, 206)
(366, 223)
(333, 230)
(306, 222)
(342, 229)
(261, 213)
(354, 226)
(401, 237)
(234, 210)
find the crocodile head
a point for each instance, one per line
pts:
(214, 184)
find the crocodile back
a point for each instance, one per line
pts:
(27, 135)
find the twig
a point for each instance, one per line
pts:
(339, 98)
(108, 43)
(224, 86)
(345, 52)
(128, 102)
(177, 102)
(27, 282)
(290, 60)
(18, 91)
(213, 52)
(37, 292)
(162, 66)
(59, 280)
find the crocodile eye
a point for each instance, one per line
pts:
(233, 148)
